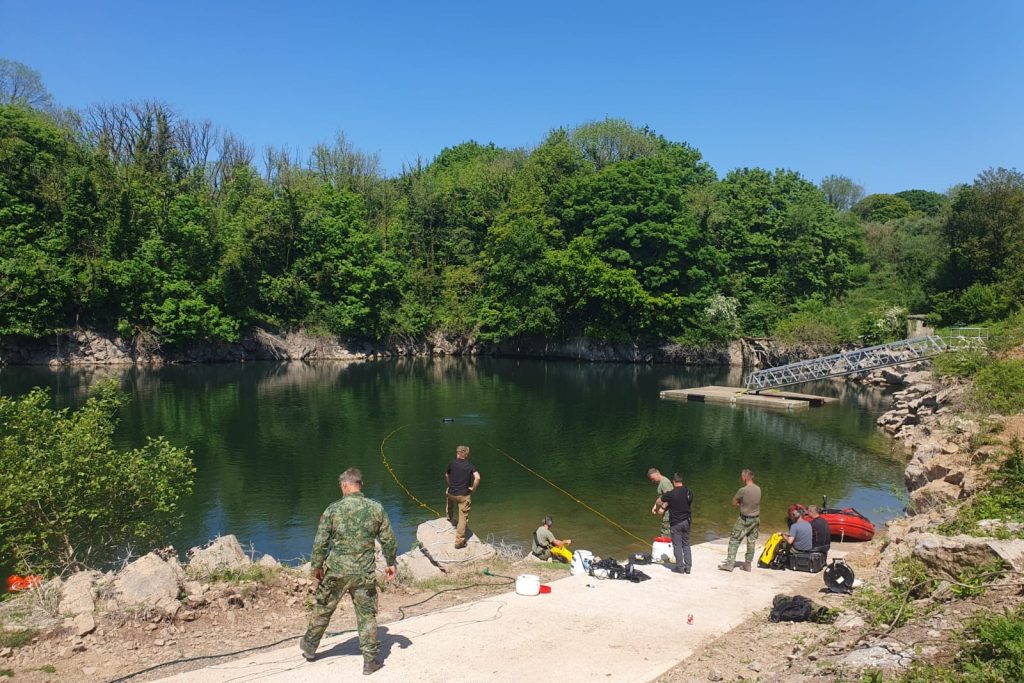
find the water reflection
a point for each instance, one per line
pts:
(270, 438)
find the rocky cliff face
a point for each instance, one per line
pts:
(89, 347)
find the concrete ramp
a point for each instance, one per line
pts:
(586, 629)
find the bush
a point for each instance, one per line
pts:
(965, 363)
(69, 499)
(999, 386)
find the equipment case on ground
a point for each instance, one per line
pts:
(806, 562)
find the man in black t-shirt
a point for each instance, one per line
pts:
(462, 479)
(678, 502)
(821, 535)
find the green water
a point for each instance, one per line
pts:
(270, 439)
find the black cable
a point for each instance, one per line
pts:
(200, 658)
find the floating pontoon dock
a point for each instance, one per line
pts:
(768, 398)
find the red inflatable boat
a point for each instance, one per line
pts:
(845, 524)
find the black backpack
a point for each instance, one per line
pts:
(798, 608)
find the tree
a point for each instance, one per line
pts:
(985, 231)
(22, 86)
(613, 140)
(69, 498)
(928, 203)
(882, 208)
(841, 192)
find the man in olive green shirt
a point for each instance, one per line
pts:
(350, 526)
(748, 524)
(664, 485)
(546, 546)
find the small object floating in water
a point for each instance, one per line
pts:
(448, 419)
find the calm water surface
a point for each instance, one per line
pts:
(269, 440)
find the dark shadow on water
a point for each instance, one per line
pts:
(351, 646)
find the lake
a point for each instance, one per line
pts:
(269, 440)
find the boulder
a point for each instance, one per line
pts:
(83, 624)
(150, 581)
(268, 562)
(948, 556)
(1011, 552)
(437, 542)
(416, 566)
(77, 595)
(224, 552)
(934, 495)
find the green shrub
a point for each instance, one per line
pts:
(994, 648)
(974, 581)
(69, 498)
(965, 363)
(999, 386)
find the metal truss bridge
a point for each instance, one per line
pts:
(867, 359)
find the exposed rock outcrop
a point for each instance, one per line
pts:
(221, 553)
(150, 581)
(437, 543)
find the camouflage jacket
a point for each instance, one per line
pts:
(350, 526)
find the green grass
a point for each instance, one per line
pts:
(991, 651)
(1001, 499)
(999, 386)
(7, 672)
(893, 604)
(17, 638)
(253, 573)
(48, 669)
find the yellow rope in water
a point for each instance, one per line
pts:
(387, 465)
(571, 496)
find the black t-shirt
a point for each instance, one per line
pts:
(460, 477)
(678, 500)
(821, 536)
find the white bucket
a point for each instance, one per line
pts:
(528, 584)
(581, 560)
(659, 549)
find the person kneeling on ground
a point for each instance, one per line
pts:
(546, 546)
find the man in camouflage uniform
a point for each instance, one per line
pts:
(350, 526)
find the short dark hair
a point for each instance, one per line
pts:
(677, 478)
(351, 476)
(547, 521)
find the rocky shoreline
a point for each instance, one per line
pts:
(91, 347)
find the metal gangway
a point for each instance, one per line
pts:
(869, 358)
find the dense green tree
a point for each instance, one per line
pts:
(71, 499)
(882, 208)
(928, 203)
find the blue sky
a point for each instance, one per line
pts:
(896, 95)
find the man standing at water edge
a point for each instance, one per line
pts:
(748, 500)
(664, 486)
(462, 479)
(350, 526)
(678, 502)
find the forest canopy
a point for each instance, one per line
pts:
(134, 219)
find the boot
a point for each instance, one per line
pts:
(726, 566)
(371, 665)
(746, 567)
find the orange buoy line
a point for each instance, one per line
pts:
(570, 495)
(391, 471)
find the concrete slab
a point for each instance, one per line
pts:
(588, 628)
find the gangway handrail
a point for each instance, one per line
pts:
(868, 358)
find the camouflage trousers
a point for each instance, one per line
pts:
(748, 528)
(666, 528)
(363, 590)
